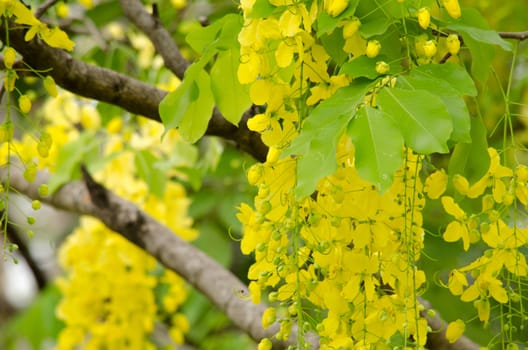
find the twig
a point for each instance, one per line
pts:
(514, 35)
(151, 25)
(23, 249)
(44, 7)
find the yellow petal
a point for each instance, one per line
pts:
(435, 184)
(452, 208)
(455, 330)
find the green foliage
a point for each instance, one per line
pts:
(380, 142)
(232, 98)
(422, 117)
(83, 150)
(36, 325)
(321, 131)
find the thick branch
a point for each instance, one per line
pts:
(213, 280)
(118, 89)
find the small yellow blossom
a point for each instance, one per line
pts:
(335, 7)
(9, 57)
(453, 44)
(382, 67)
(351, 27)
(424, 17)
(435, 184)
(453, 8)
(373, 48)
(429, 48)
(455, 330)
(268, 317)
(265, 344)
(24, 103)
(49, 85)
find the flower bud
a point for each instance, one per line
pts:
(429, 48)
(9, 57)
(24, 103)
(373, 48)
(382, 67)
(453, 8)
(453, 44)
(335, 7)
(424, 17)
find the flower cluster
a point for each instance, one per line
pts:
(499, 274)
(113, 292)
(343, 261)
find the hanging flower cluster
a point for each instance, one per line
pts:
(499, 274)
(341, 263)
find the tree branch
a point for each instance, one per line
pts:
(14, 237)
(514, 35)
(437, 338)
(106, 85)
(213, 280)
(163, 42)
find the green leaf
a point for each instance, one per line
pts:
(376, 26)
(471, 159)
(363, 66)
(440, 82)
(378, 146)
(333, 45)
(316, 144)
(148, 170)
(84, 149)
(189, 107)
(104, 12)
(261, 9)
(453, 74)
(326, 23)
(422, 117)
(232, 98)
(220, 35)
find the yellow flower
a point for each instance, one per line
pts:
(9, 57)
(455, 330)
(373, 48)
(382, 67)
(453, 8)
(435, 184)
(265, 344)
(452, 208)
(24, 103)
(455, 231)
(49, 85)
(351, 27)
(429, 48)
(453, 44)
(424, 17)
(335, 7)
(456, 283)
(268, 317)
